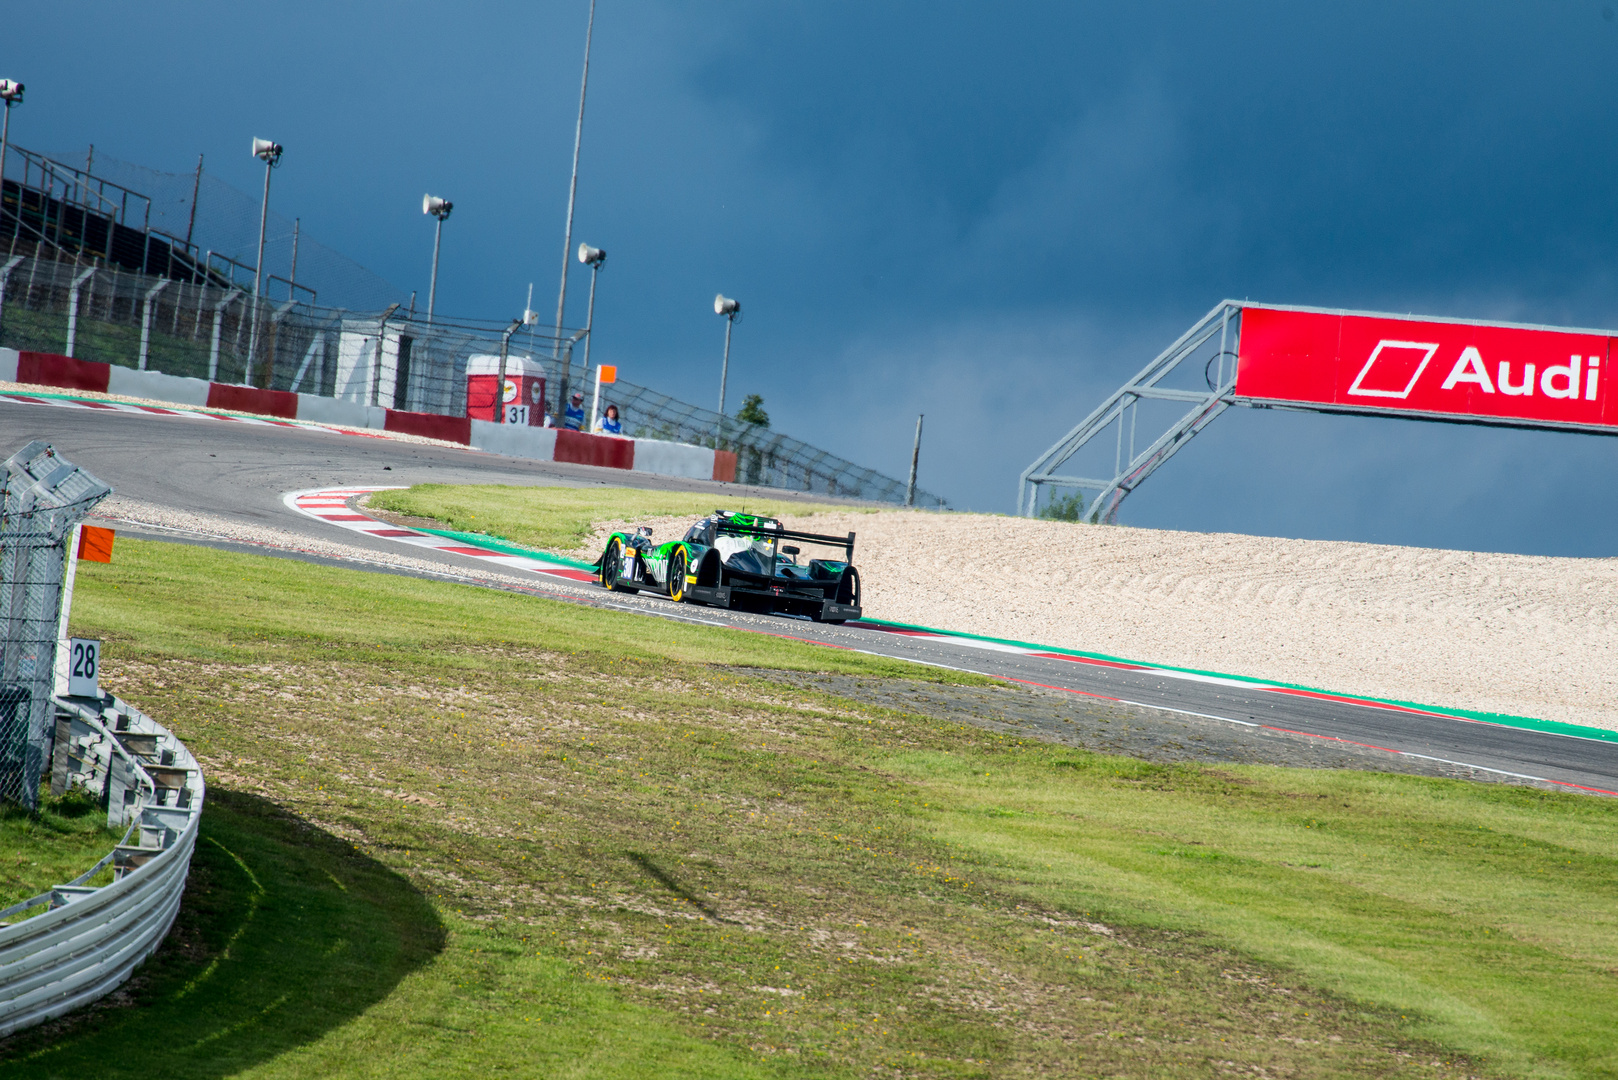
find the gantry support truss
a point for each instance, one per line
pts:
(1121, 410)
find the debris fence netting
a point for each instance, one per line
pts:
(42, 499)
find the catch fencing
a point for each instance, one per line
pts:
(42, 498)
(78, 942)
(763, 457)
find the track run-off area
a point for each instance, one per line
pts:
(301, 483)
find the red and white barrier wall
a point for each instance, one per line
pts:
(534, 443)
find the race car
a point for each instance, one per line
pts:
(737, 560)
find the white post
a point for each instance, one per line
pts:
(218, 324)
(146, 322)
(73, 307)
(595, 406)
(69, 573)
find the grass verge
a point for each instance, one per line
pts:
(65, 838)
(642, 865)
(558, 518)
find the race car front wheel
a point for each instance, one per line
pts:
(677, 577)
(612, 563)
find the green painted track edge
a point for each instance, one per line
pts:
(1528, 723)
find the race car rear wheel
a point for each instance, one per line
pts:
(677, 577)
(848, 589)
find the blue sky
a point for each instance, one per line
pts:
(992, 214)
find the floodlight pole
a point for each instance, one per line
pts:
(573, 185)
(263, 222)
(271, 156)
(432, 287)
(590, 312)
(724, 376)
(915, 457)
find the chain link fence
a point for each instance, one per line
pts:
(763, 457)
(42, 498)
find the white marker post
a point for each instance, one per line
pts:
(608, 374)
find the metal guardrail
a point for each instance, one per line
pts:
(76, 942)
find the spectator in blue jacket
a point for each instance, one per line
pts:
(573, 418)
(609, 424)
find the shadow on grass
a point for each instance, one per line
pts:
(286, 932)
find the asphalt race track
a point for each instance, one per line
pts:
(241, 472)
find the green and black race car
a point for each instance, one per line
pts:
(737, 560)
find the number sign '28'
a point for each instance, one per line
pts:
(1382, 363)
(84, 668)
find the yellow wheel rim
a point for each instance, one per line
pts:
(677, 580)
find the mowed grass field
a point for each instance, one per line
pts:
(455, 832)
(558, 518)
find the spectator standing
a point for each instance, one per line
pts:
(573, 418)
(609, 424)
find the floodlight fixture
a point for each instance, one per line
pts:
(267, 151)
(438, 208)
(591, 256)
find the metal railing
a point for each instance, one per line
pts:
(78, 942)
(763, 457)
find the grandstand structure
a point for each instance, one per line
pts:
(129, 266)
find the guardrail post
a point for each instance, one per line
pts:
(73, 307)
(218, 323)
(5, 276)
(146, 322)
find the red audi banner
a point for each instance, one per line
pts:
(1496, 373)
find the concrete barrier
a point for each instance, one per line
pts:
(325, 410)
(49, 369)
(577, 448)
(673, 459)
(429, 425)
(156, 386)
(250, 399)
(513, 440)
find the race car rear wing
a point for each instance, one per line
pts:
(780, 532)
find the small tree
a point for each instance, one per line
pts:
(1068, 507)
(752, 411)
